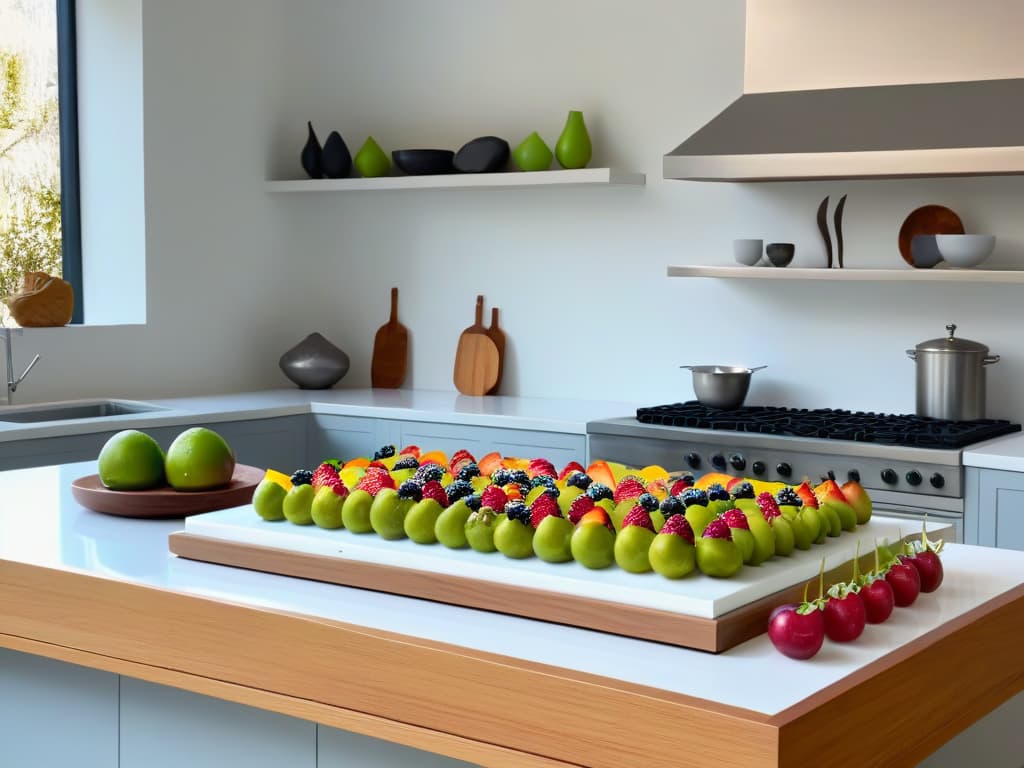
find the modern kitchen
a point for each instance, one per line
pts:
(858, 138)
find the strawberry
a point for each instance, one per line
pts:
(377, 469)
(373, 482)
(376, 465)
(806, 494)
(597, 515)
(410, 450)
(580, 506)
(718, 529)
(680, 485)
(459, 458)
(542, 507)
(678, 525)
(638, 516)
(324, 474)
(538, 467)
(493, 497)
(569, 468)
(734, 519)
(629, 487)
(769, 507)
(433, 490)
(339, 487)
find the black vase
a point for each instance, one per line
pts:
(312, 155)
(483, 155)
(336, 159)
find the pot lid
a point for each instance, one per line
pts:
(951, 344)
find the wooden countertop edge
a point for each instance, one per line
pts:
(438, 742)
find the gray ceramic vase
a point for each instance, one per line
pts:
(314, 363)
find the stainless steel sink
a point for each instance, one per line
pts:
(92, 409)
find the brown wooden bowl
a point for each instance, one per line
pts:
(927, 220)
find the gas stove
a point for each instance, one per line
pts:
(910, 465)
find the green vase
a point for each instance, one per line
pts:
(573, 149)
(372, 161)
(532, 154)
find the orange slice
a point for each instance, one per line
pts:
(359, 461)
(653, 472)
(438, 457)
(600, 472)
(280, 478)
(489, 463)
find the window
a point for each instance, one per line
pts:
(39, 213)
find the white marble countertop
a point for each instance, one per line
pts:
(1005, 452)
(41, 524)
(530, 413)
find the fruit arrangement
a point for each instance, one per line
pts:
(198, 459)
(901, 573)
(606, 514)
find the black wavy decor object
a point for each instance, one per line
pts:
(838, 219)
(336, 159)
(823, 228)
(312, 155)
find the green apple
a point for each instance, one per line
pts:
(326, 509)
(785, 536)
(593, 545)
(632, 545)
(552, 539)
(355, 514)
(298, 504)
(267, 500)
(450, 528)
(698, 516)
(672, 556)
(514, 539)
(420, 521)
(567, 497)
(387, 514)
(764, 536)
(720, 558)
(480, 527)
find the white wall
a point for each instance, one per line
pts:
(580, 274)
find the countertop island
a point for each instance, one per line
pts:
(491, 689)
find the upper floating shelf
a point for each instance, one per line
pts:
(876, 275)
(507, 180)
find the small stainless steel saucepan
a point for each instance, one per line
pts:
(721, 386)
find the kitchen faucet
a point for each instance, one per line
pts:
(12, 383)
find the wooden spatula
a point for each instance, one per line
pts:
(390, 350)
(498, 337)
(476, 358)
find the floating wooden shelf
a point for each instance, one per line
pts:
(876, 275)
(507, 180)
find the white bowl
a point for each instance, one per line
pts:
(965, 250)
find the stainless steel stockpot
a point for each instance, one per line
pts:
(951, 377)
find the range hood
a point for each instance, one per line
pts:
(932, 129)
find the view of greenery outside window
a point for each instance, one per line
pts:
(30, 144)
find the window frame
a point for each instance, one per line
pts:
(67, 98)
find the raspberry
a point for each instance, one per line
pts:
(672, 506)
(410, 489)
(678, 525)
(493, 497)
(458, 489)
(718, 529)
(692, 496)
(648, 501)
(516, 510)
(769, 509)
(638, 516)
(598, 491)
(579, 480)
(323, 475)
(373, 482)
(788, 497)
(629, 487)
(409, 462)
(579, 507)
(302, 477)
(541, 467)
(384, 452)
(339, 487)
(433, 490)
(717, 492)
(597, 515)
(543, 506)
(681, 485)
(744, 490)
(735, 519)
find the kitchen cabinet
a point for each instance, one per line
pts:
(994, 508)
(54, 715)
(343, 749)
(342, 437)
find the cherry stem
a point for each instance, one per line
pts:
(806, 585)
(878, 564)
(856, 563)
(821, 580)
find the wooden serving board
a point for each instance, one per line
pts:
(695, 612)
(165, 502)
(477, 362)
(390, 351)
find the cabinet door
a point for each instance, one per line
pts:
(343, 749)
(1000, 511)
(279, 443)
(559, 447)
(43, 452)
(342, 437)
(165, 727)
(54, 715)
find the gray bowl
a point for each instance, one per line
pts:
(924, 251)
(314, 363)
(721, 386)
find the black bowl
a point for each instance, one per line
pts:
(486, 154)
(422, 162)
(779, 254)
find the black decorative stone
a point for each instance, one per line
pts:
(312, 155)
(337, 160)
(421, 162)
(486, 154)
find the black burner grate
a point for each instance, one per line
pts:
(831, 424)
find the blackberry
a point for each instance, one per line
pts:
(428, 472)
(384, 452)
(516, 510)
(598, 491)
(692, 496)
(672, 506)
(473, 501)
(409, 462)
(743, 490)
(579, 480)
(501, 477)
(554, 493)
(458, 489)
(410, 489)
(468, 471)
(302, 477)
(717, 492)
(520, 476)
(543, 480)
(789, 497)
(648, 501)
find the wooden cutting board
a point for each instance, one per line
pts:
(476, 358)
(498, 337)
(390, 350)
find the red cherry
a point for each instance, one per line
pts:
(878, 601)
(905, 582)
(795, 634)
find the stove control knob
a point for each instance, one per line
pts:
(738, 462)
(889, 476)
(937, 480)
(693, 460)
(914, 477)
(853, 476)
(718, 461)
(784, 469)
(758, 467)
